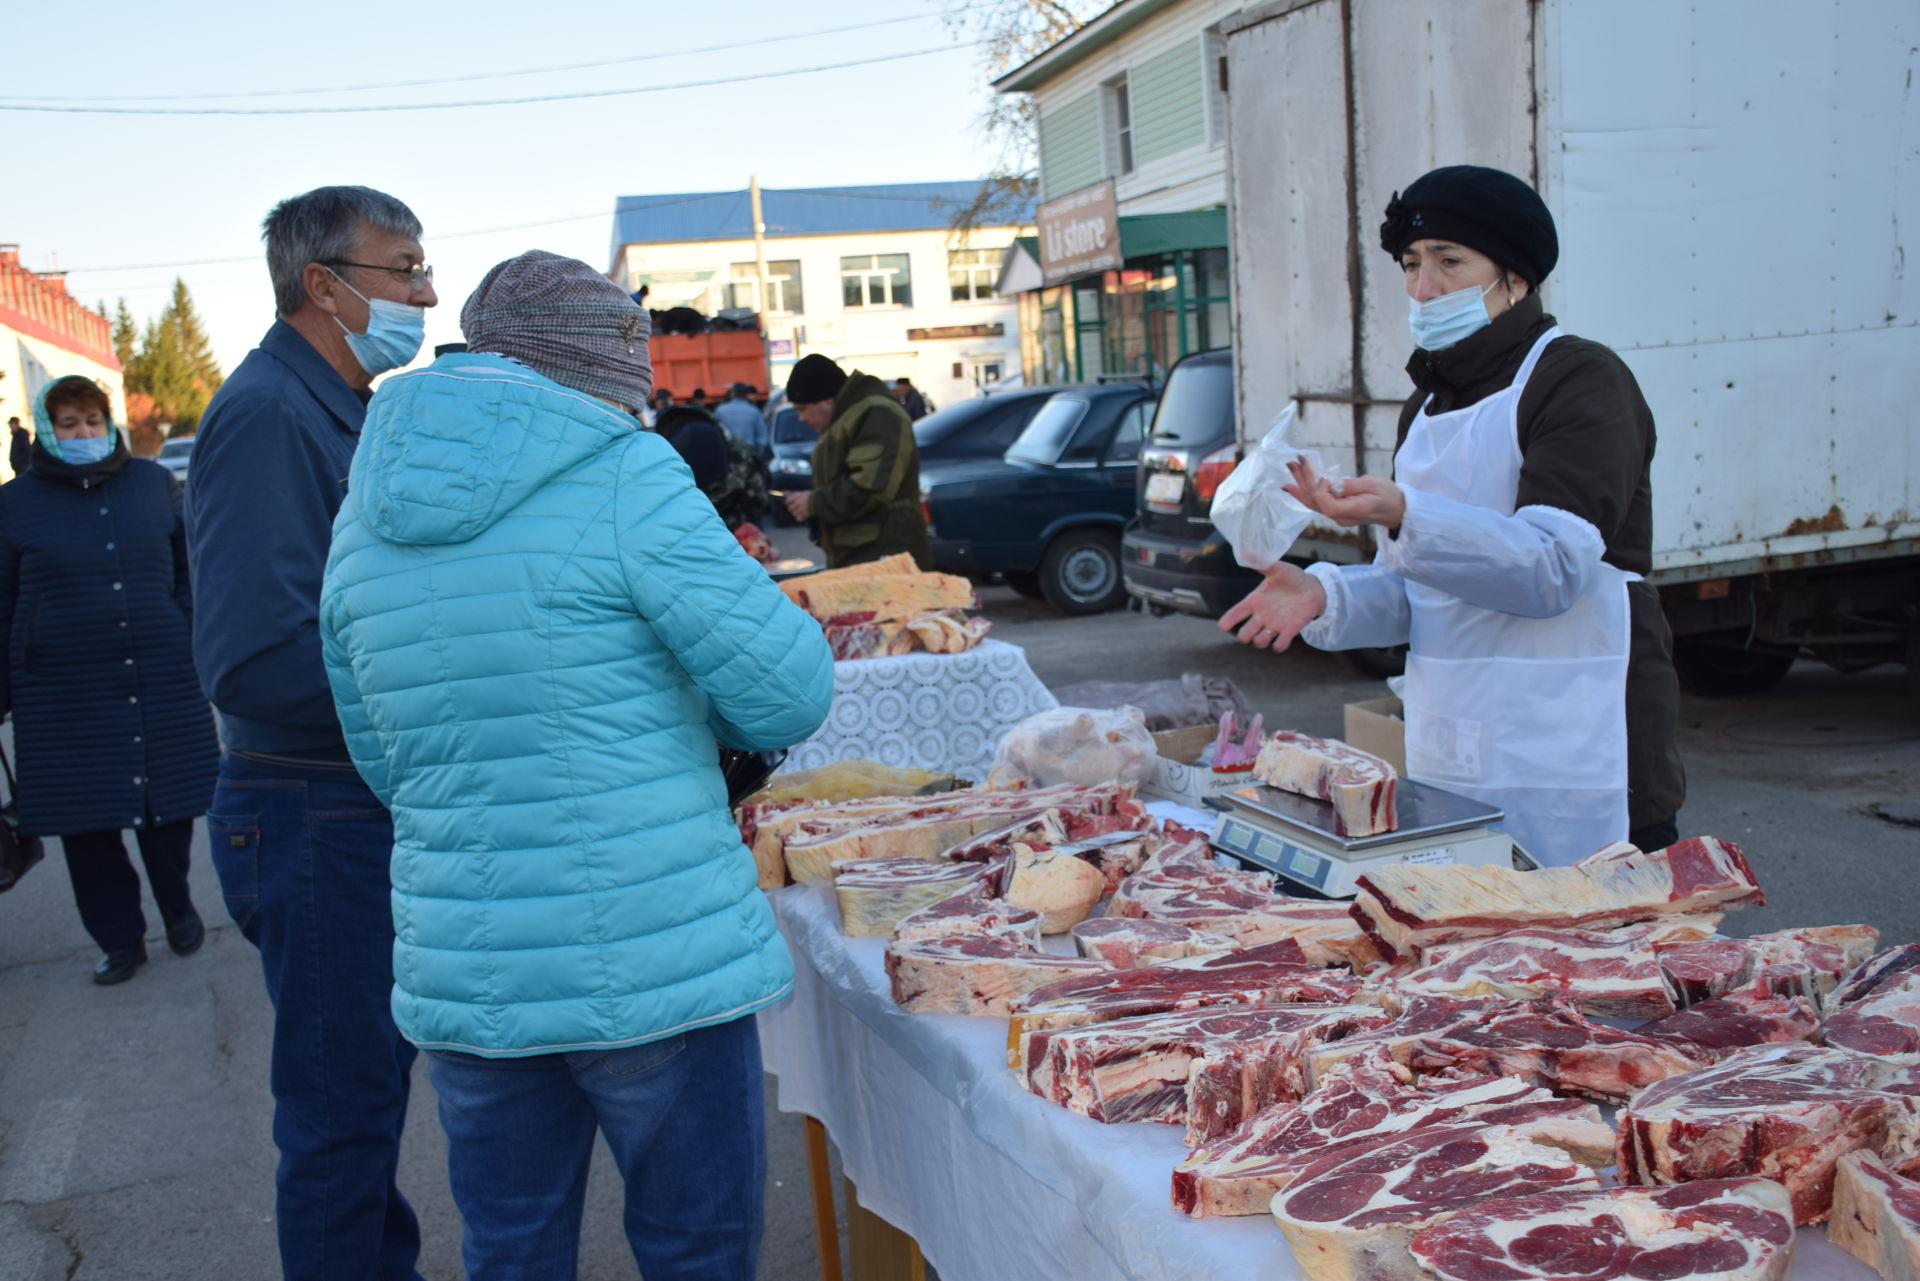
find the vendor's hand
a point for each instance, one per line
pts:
(1368, 500)
(800, 504)
(1276, 610)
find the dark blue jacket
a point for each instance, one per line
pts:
(110, 726)
(269, 472)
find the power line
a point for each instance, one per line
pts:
(729, 47)
(487, 102)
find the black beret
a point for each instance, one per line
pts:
(1484, 209)
(814, 378)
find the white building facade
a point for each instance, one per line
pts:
(46, 333)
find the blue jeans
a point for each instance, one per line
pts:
(302, 850)
(683, 1117)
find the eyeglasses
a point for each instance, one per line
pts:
(417, 277)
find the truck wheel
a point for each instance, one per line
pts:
(1379, 661)
(1726, 669)
(1025, 582)
(1080, 574)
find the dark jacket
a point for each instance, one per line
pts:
(269, 472)
(1586, 447)
(110, 727)
(20, 450)
(866, 479)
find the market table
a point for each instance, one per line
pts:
(945, 712)
(992, 1181)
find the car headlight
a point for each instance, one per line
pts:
(798, 466)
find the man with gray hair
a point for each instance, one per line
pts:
(300, 843)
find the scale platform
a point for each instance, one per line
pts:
(1293, 836)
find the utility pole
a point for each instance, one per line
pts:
(760, 273)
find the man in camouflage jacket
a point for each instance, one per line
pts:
(866, 467)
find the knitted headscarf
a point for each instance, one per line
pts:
(563, 319)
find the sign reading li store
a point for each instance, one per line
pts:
(1079, 233)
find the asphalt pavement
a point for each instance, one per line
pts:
(135, 1120)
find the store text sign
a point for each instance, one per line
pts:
(1079, 233)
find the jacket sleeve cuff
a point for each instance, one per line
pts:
(1322, 632)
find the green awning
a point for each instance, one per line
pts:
(1145, 235)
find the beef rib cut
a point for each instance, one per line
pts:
(972, 913)
(1747, 1017)
(1885, 1022)
(973, 973)
(1359, 786)
(1611, 973)
(1127, 943)
(1876, 1216)
(875, 893)
(1883, 967)
(1243, 907)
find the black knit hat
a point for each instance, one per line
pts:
(1484, 209)
(815, 378)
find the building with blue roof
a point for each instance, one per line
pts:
(873, 276)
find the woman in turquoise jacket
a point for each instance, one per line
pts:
(538, 633)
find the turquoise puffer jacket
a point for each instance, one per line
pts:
(536, 629)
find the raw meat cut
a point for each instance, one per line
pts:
(973, 973)
(1881, 968)
(1885, 1022)
(1127, 943)
(875, 893)
(1270, 975)
(1352, 1214)
(892, 588)
(852, 641)
(1054, 883)
(1410, 906)
(1876, 1216)
(1702, 970)
(1746, 1017)
(754, 542)
(1209, 1068)
(1243, 907)
(947, 631)
(1367, 1097)
(1726, 1229)
(971, 913)
(1807, 962)
(1785, 1112)
(1611, 973)
(1043, 828)
(1358, 785)
(1545, 1042)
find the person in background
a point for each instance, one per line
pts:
(743, 419)
(701, 443)
(910, 398)
(866, 466)
(698, 398)
(96, 666)
(19, 447)
(1512, 537)
(581, 943)
(300, 843)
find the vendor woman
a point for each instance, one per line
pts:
(1512, 540)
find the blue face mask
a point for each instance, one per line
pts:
(394, 332)
(1439, 323)
(81, 450)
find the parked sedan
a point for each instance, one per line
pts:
(1048, 514)
(175, 455)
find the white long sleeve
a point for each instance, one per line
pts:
(1366, 607)
(1535, 563)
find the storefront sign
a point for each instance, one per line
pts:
(1079, 233)
(941, 332)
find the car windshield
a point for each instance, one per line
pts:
(177, 448)
(936, 427)
(789, 430)
(1197, 404)
(1051, 431)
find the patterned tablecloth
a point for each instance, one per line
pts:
(943, 712)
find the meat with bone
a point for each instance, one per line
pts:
(1043, 828)
(1749, 1016)
(869, 638)
(1127, 943)
(1209, 1068)
(1876, 1216)
(971, 913)
(1611, 973)
(1352, 1214)
(1783, 1112)
(876, 893)
(1239, 1173)
(1724, 1230)
(1702, 969)
(947, 631)
(1807, 962)
(1054, 883)
(1411, 907)
(1546, 1042)
(1882, 967)
(1885, 1022)
(973, 973)
(1243, 907)
(1358, 785)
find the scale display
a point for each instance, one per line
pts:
(1423, 810)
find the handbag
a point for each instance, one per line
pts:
(747, 772)
(18, 853)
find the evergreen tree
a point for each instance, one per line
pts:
(173, 365)
(124, 335)
(194, 345)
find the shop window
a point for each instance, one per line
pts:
(1120, 125)
(876, 280)
(783, 288)
(971, 273)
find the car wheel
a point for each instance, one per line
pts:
(1026, 582)
(1080, 574)
(1379, 661)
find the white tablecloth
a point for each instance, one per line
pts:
(994, 1182)
(944, 712)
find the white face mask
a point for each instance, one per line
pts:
(1439, 323)
(394, 332)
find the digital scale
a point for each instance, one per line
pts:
(1293, 836)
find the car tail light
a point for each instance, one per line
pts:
(1213, 469)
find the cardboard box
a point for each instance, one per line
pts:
(1378, 726)
(1176, 776)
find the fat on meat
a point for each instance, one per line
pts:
(1749, 1016)
(1127, 943)
(1782, 1112)
(1360, 786)
(1882, 967)
(1807, 962)
(1884, 1023)
(1702, 969)
(1411, 907)
(973, 973)
(971, 912)
(1611, 973)
(1243, 907)
(1718, 1230)
(875, 894)
(1876, 1216)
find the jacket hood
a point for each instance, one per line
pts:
(48, 460)
(450, 449)
(859, 387)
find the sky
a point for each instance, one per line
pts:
(124, 203)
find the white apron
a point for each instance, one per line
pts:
(1529, 714)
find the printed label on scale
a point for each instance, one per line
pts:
(1439, 856)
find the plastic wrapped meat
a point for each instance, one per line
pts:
(1359, 785)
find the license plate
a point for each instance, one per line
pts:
(1164, 489)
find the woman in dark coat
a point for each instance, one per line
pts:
(110, 725)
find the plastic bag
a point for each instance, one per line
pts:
(1258, 518)
(1076, 745)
